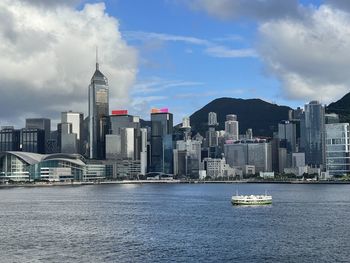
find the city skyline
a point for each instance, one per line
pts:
(152, 64)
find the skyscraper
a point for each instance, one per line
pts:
(161, 141)
(231, 127)
(313, 134)
(98, 110)
(40, 124)
(287, 137)
(212, 134)
(75, 119)
(338, 148)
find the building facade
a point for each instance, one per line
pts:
(98, 110)
(257, 153)
(161, 141)
(76, 120)
(338, 149)
(26, 166)
(231, 127)
(313, 134)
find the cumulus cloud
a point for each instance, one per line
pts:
(306, 47)
(311, 56)
(257, 9)
(48, 57)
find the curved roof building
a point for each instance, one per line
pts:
(25, 166)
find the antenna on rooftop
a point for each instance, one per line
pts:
(97, 65)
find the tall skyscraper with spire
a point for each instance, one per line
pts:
(98, 112)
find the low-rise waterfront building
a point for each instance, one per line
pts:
(26, 166)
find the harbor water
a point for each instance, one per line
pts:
(174, 223)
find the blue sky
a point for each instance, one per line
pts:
(200, 76)
(184, 75)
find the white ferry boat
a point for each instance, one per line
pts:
(251, 199)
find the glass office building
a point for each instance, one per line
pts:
(33, 140)
(40, 124)
(98, 110)
(76, 120)
(161, 142)
(337, 149)
(313, 134)
(9, 139)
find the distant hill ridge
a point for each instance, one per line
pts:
(341, 107)
(261, 116)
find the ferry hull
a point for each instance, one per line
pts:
(251, 203)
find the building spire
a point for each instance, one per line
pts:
(97, 65)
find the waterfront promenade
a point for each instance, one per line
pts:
(174, 181)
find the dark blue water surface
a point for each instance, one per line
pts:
(174, 223)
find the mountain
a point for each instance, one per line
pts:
(341, 107)
(145, 123)
(261, 116)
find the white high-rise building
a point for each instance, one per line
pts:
(212, 119)
(231, 127)
(338, 148)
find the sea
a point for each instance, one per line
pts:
(174, 223)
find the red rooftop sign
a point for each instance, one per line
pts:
(119, 112)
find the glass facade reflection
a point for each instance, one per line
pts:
(25, 166)
(33, 140)
(98, 110)
(162, 125)
(337, 149)
(9, 140)
(313, 134)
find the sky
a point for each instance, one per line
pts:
(179, 54)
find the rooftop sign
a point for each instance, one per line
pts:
(163, 110)
(119, 112)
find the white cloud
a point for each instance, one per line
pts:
(224, 52)
(310, 56)
(48, 57)
(140, 35)
(211, 48)
(156, 85)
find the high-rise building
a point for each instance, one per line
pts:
(161, 141)
(287, 135)
(98, 110)
(126, 145)
(212, 137)
(68, 139)
(212, 119)
(9, 139)
(313, 134)
(33, 140)
(338, 148)
(76, 120)
(124, 136)
(231, 127)
(287, 138)
(244, 153)
(187, 158)
(40, 124)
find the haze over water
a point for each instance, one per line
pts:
(179, 223)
